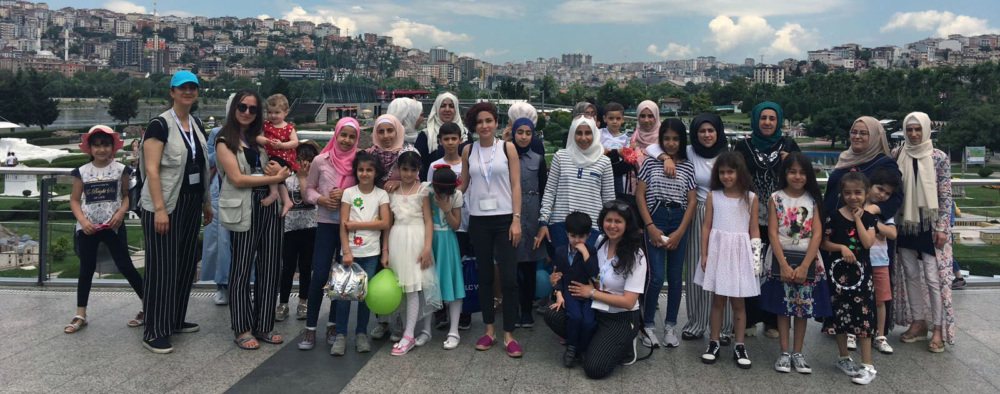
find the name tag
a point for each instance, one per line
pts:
(194, 179)
(488, 204)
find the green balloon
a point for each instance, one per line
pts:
(384, 292)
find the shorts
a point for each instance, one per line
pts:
(883, 291)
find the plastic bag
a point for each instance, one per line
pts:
(347, 283)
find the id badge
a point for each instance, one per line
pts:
(488, 204)
(194, 179)
(257, 171)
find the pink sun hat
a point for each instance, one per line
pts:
(117, 139)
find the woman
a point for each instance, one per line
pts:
(584, 109)
(174, 167)
(616, 300)
(445, 110)
(492, 180)
(533, 179)
(763, 153)
(387, 144)
(577, 173)
(869, 151)
(254, 229)
(647, 130)
(923, 267)
(410, 115)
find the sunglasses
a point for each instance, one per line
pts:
(617, 205)
(243, 108)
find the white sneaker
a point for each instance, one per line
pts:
(852, 342)
(222, 297)
(649, 340)
(784, 363)
(847, 366)
(751, 331)
(882, 345)
(669, 337)
(865, 375)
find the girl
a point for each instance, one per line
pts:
(849, 233)
(533, 178)
(387, 144)
(99, 201)
(794, 228)
(364, 214)
(447, 215)
(666, 205)
(727, 250)
(411, 236)
(300, 235)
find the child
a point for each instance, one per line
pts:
(618, 149)
(849, 234)
(447, 212)
(280, 141)
(299, 236)
(884, 181)
(578, 263)
(408, 251)
(99, 201)
(364, 213)
(612, 136)
(795, 232)
(729, 243)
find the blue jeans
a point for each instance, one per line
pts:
(666, 220)
(344, 307)
(326, 248)
(558, 237)
(215, 256)
(580, 322)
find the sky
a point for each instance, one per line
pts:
(612, 30)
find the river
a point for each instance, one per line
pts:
(81, 115)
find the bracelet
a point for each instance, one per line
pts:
(647, 225)
(517, 215)
(592, 291)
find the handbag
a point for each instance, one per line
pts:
(470, 275)
(794, 259)
(347, 283)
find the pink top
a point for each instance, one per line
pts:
(321, 179)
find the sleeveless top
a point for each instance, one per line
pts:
(499, 174)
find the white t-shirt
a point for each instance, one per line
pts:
(365, 208)
(613, 283)
(610, 141)
(457, 169)
(879, 253)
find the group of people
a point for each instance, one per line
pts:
(610, 218)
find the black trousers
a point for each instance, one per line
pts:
(87, 252)
(257, 249)
(611, 342)
(490, 242)
(526, 284)
(171, 262)
(297, 253)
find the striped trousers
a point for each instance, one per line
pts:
(171, 262)
(257, 249)
(611, 343)
(697, 300)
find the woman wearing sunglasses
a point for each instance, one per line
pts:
(255, 229)
(174, 196)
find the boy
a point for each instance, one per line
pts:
(618, 149)
(578, 263)
(612, 137)
(280, 141)
(449, 138)
(884, 182)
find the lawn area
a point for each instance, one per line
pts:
(978, 260)
(61, 233)
(980, 200)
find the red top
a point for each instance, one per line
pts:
(282, 134)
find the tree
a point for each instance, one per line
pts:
(832, 122)
(700, 103)
(39, 108)
(124, 105)
(549, 87)
(972, 126)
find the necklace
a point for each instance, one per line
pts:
(406, 196)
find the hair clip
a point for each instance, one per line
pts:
(442, 165)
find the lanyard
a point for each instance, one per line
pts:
(256, 154)
(188, 136)
(482, 165)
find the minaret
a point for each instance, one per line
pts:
(66, 50)
(156, 41)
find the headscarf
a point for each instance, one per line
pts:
(434, 122)
(920, 207)
(341, 159)
(876, 144)
(407, 110)
(646, 137)
(534, 136)
(708, 152)
(398, 143)
(757, 138)
(523, 110)
(581, 108)
(584, 157)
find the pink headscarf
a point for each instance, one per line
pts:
(341, 159)
(398, 143)
(646, 137)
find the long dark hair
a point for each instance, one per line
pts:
(678, 127)
(365, 157)
(631, 243)
(812, 186)
(230, 131)
(743, 180)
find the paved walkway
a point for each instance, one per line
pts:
(106, 357)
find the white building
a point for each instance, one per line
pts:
(766, 73)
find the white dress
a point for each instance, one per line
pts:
(406, 238)
(729, 268)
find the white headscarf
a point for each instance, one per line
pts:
(920, 207)
(407, 110)
(584, 157)
(522, 110)
(434, 122)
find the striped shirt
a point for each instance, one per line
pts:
(660, 188)
(578, 189)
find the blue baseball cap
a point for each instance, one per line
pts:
(181, 77)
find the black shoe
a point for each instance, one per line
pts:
(464, 321)
(442, 323)
(527, 321)
(687, 336)
(724, 340)
(158, 345)
(188, 327)
(741, 357)
(711, 354)
(569, 357)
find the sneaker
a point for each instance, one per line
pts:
(631, 356)
(852, 342)
(158, 345)
(361, 343)
(569, 357)
(281, 312)
(800, 364)
(331, 335)
(464, 321)
(308, 340)
(649, 339)
(301, 311)
(687, 336)
(958, 283)
(379, 331)
(741, 357)
(527, 321)
(847, 366)
(711, 354)
(188, 327)
(339, 345)
(882, 345)
(222, 297)
(784, 363)
(865, 375)
(669, 337)
(724, 340)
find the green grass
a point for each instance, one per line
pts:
(68, 267)
(978, 260)
(977, 197)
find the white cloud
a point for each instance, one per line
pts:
(178, 13)
(263, 16)
(484, 9)
(406, 33)
(125, 7)
(648, 11)
(727, 34)
(943, 22)
(672, 51)
(322, 15)
(490, 52)
(792, 38)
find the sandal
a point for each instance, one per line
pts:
(137, 321)
(399, 350)
(936, 346)
(422, 339)
(269, 338)
(78, 323)
(242, 343)
(906, 337)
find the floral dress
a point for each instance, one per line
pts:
(812, 298)
(852, 289)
